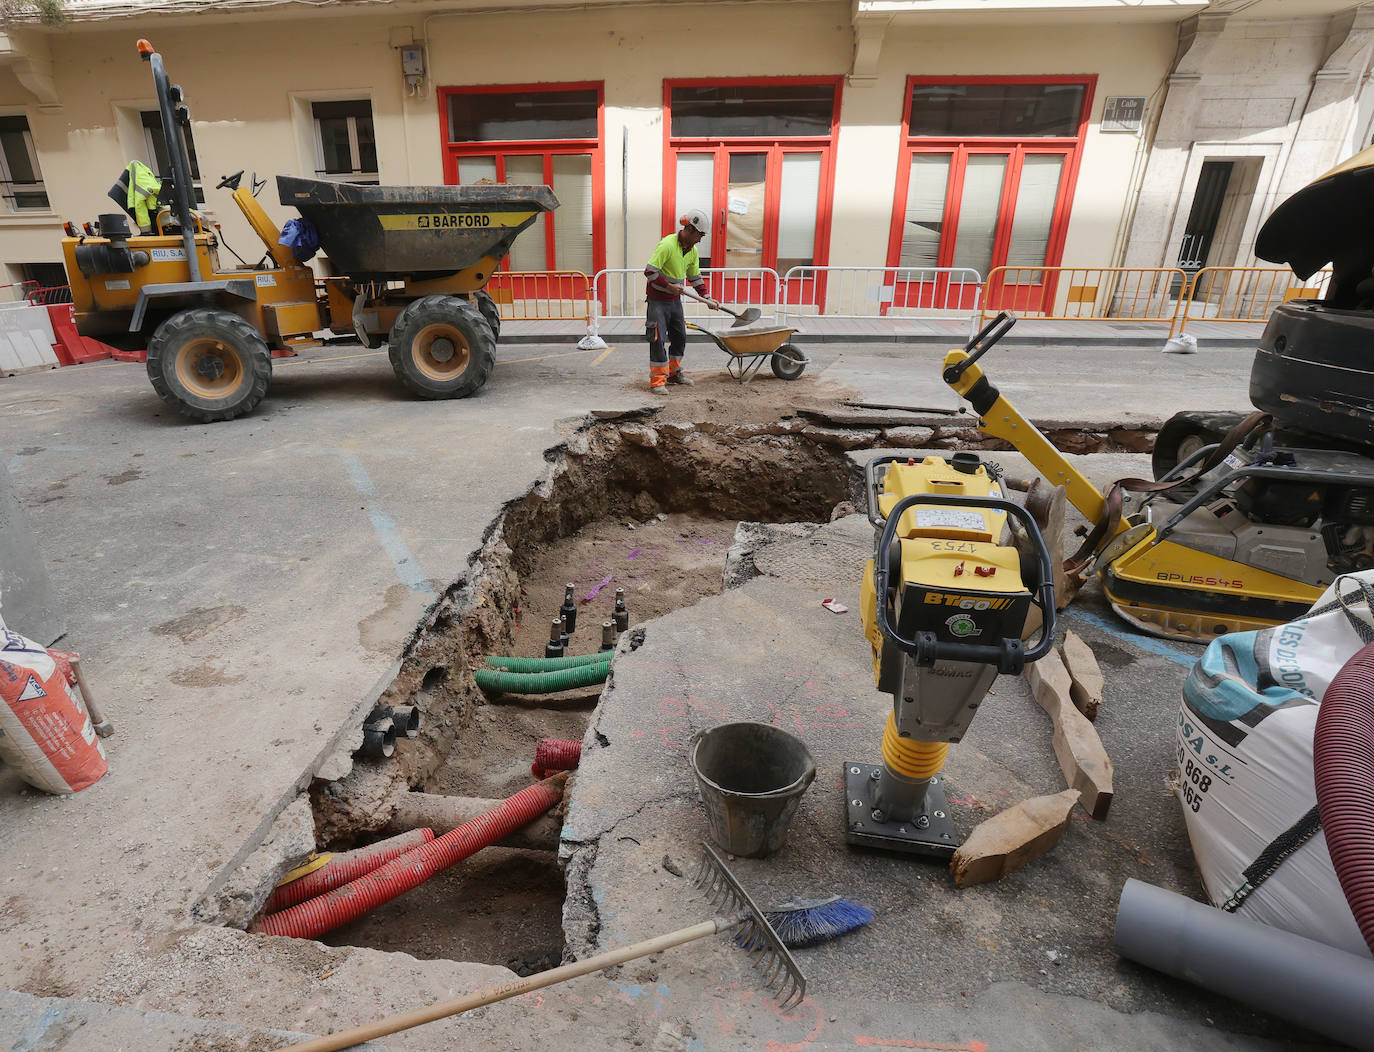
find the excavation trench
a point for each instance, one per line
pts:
(650, 508)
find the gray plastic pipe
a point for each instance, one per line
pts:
(1327, 990)
(443, 813)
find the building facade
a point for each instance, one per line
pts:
(950, 134)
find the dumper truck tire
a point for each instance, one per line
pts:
(209, 364)
(490, 311)
(442, 347)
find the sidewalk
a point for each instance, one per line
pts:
(1028, 332)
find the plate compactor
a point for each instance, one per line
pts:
(958, 572)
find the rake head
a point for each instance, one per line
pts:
(756, 936)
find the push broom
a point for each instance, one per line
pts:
(807, 922)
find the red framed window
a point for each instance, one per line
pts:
(757, 155)
(985, 180)
(535, 133)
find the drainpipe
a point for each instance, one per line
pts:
(316, 916)
(1303, 981)
(445, 813)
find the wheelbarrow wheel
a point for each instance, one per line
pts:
(442, 347)
(788, 362)
(490, 312)
(209, 364)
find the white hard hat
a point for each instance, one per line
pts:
(697, 219)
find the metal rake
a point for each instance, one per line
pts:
(756, 937)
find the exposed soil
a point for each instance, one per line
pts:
(500, 907)
(496, 751)
(663, 562)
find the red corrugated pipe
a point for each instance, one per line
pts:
(555, 754)
(1343, 768)
(326, 912)
(344, 867)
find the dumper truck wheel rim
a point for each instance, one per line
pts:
(209, 369)
(441, 352)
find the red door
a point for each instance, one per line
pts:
(979, 208)
(765, 201)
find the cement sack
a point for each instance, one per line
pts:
(1245, 766)
(46, 734)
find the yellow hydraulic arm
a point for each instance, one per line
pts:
(999, 418)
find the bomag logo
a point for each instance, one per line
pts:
(1210, 582)
(966, 602)
(446, 221)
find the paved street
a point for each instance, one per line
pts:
(240, 594)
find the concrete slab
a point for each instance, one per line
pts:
(1024, 963)
(241, 592)
(1105, 385)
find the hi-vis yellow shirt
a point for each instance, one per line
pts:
(670, 261)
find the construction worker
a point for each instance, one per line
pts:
(673, 264)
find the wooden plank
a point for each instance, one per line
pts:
(1009, 840)
(1085, 675)
(1082, 758)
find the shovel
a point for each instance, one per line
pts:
(745, 317)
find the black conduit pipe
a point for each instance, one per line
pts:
(1343, 768)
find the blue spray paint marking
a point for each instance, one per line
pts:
(1138, 640)
(406, 566)
(38, 1032)
(17, 461)
(634, 992)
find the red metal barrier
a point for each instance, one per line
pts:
(69, 345)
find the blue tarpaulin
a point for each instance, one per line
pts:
(300, 236)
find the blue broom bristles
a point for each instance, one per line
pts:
(810, 922)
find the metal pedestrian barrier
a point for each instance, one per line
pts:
(619, 292)
(881, 292)
(1085, 293)
(1244, 294)
(542, 295)
(54, 294)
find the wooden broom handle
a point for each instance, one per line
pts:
(406, 1020)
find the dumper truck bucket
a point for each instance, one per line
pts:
(376, 233)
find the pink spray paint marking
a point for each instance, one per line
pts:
(596, 588)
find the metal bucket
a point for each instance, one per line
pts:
(751, 777)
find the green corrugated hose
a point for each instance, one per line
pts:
(539, 664)
(542, 682)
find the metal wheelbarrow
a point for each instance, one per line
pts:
(747, 351)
